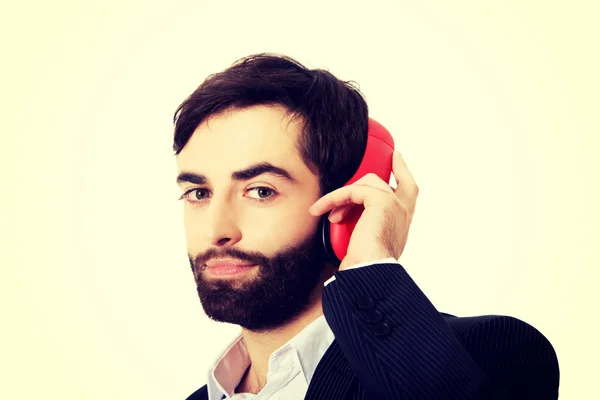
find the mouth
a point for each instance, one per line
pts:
(227, 268)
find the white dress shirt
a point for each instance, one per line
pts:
(291, 367)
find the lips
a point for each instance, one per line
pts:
(227, 264)
(227, 267)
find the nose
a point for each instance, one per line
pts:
(220, 228)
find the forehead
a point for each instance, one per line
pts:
(237, 138)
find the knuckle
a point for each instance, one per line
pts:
(372, 177)
(404, 212)
(401, 210)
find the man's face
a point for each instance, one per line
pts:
(236, 215)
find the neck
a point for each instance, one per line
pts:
(261, 345)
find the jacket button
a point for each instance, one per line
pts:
(365, 303)
(382, 329)
(373, 316)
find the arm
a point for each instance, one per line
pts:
(393, 337)
(400, 346)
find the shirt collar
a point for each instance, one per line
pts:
(309, 344)
(229, 369)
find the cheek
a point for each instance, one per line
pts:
(192, 225)
(267, 233)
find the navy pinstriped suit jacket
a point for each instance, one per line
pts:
(391, 343)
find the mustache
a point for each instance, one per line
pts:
(199, 261)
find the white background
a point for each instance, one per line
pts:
(494, 106)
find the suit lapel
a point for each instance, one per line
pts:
(332, 377)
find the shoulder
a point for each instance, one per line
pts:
(511, 351)
(200, 394)
(477, 331)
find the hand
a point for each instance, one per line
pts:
(382, 230)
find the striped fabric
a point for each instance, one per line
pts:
(391, 343)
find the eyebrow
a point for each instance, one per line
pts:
(242, 175)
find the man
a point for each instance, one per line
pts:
(264, 149)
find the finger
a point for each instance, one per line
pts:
(402, 174)
(375, 181)
(406, 189)
(353, 194)
(371, 180)
(339, 213)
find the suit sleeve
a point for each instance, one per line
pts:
(398, 344)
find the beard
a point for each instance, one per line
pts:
(281, 289)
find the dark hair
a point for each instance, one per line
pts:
(333, 113)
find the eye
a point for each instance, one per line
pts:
(200, 194)
(195, 195)
(264, 193)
